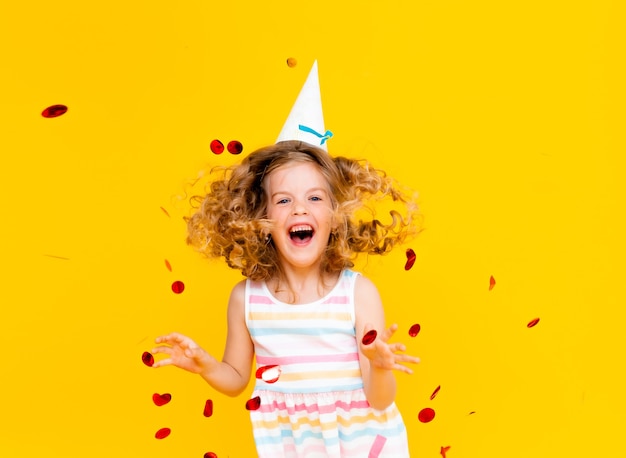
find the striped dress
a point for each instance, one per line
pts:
(312, 403)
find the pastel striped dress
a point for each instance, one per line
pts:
(317, 408)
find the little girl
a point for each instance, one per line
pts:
(285, 218)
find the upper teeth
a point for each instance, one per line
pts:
(301, 228)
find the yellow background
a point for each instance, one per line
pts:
(507, 117)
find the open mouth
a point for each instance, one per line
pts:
(301, 234)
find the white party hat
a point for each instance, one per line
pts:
(306, 119)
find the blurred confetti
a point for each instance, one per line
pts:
(369, 337)
(377, 446)
(434, 394)
(162, 433)
(269, 374)
(56, 257)
(410, 259)
(426, 415)
(208, 408)
(147, 358)
(217, 147)
(234, 147)
(178, 287)
(444, 450)
(492, 283)
(254, 403)
(165, 211)
(161, 399)
(415, 330)
(292, 62)
(53, 111)
(533, 323)
(168, 265)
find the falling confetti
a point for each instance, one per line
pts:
(210, 455)
(147, 358)
(444, 450)
(165, 211)
(217, 147)
(57, 257)
(410, 259)
(234, 147)
(208, 408)
(492, 283)
(432, 396)
(292, 62)
(161, 399)
(426, 415)
(377, 446)
(415, 330)
(533, 323)
(269, 374)
(54, 111)
(254, 403)
(168, 266)
(178, 287)
(369, 337)
(162, 433)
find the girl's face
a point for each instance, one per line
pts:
(300, 205)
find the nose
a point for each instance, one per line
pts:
(299, 208)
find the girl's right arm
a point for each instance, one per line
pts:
(229, 376)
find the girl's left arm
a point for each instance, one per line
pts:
(380, 358)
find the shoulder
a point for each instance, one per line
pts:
(238, 296)
(365, 291)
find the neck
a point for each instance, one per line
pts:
(297, 286)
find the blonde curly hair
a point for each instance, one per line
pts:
(231, 220)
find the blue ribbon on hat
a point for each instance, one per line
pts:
(324, 137)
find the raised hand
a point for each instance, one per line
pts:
(385, 355)
(183, 353)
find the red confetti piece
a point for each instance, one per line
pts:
(369, 337)
(178, 287)
(165, 211)
(292, 62)
(410, 259)
(254, 403)
(432, 396)
(532, 323)
(54, 111)
(161, 399)
(377, 446)
(168, 266)
(444, 450)
(217, 147)
(147, 358)
(162, 433)
(492, 283)
(210, 455)
(415, 330)
(234, 147)
(208, 408)
(426, 415)
(269, 374)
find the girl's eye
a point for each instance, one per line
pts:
(315, 198)
(282, 201)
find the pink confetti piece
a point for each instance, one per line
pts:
(492, 283)
(147, 358)
(178, 287)
(533, 323)
(415, 330)
(254, 403)
(426, 415)
(432, 396)
(210, 455)
(164, 211)
(444, 450)
(234, 147)
(410, 259)
(269, 374)
(217, 147)
(162, 433)
(54, 111)
(168, 266)
(161, 399)
(208, 408)
(377, 446)
(369, 337)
